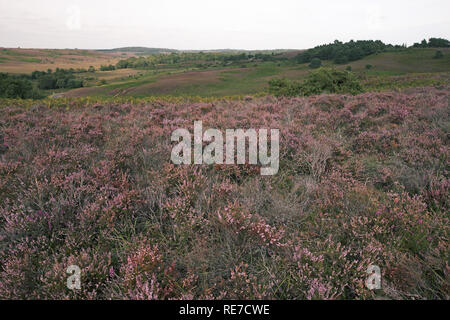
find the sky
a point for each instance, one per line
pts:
(213, 24)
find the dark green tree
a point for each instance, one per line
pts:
(315, 63)
(438, 43)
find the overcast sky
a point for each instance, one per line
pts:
(212, 24)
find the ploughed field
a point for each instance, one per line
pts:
(363, 180)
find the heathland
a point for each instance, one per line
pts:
(86, 177)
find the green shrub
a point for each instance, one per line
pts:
(107, 68)
(438, 55)
(74, 83)
(282, 87)
(315, 63)
(325, 80)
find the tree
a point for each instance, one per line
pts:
(340, 58)
(355, 54)
(315, 63)
(304, 57)
(47, 82)
(17, 87)
(107, 68)
(61, 83)
(74, 83)
(438, 43)
(368, 66)
(433, 43)
(343, 52)
(122, 64)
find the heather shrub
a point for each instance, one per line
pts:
(363, 180)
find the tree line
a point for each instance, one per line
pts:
(31, 86)
(197, 59)
(338, 52)
(60, 79)
(432, 43)
(17, 86)
(341, 53)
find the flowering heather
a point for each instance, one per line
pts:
(363, 180)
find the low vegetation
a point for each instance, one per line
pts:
(363, 180)
(363, 176)
(324, 80)
(139, 72)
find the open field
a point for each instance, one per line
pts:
(408, 61)
(215, 82)
(389, 70)
(253, 79)
(29, 60)
(363, 180)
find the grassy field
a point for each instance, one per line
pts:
(408, 61)
(214, 82)
(390, 70)
(253, 79)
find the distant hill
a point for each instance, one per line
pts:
(149, 51)
(140, 50)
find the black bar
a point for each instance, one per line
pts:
(233, 309)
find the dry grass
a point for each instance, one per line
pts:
(29, 60)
